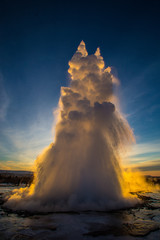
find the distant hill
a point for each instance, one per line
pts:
(16, 177)
(16, 172)
(26, 177)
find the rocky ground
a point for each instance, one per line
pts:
(140, 222)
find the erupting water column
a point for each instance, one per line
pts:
(81, 169)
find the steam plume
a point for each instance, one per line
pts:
(81, 169)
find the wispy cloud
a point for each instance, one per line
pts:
(150, 166)
(145, 157)
(138, 97)
(22, 146)
(4, 100)
(13, 165)
(144, 148)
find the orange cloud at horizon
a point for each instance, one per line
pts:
(11, 165)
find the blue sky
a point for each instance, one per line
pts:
(38, 38)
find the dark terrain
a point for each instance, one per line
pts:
(16, 177)
(140, 222)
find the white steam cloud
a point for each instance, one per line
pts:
(81, 169)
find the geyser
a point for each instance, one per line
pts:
(81, 170)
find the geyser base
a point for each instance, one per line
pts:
(72, 204)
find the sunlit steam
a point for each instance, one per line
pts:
(82, 170)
